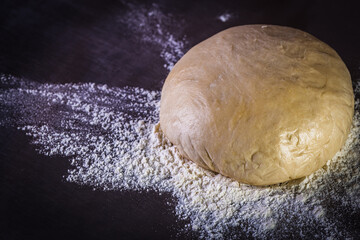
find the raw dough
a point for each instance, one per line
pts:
(260, 104)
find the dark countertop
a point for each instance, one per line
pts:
(78, 41)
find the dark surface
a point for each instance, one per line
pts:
(76, 41)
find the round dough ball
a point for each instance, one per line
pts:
(260, 104)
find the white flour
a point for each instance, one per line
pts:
(225, 17)
(111, 137)
(153, 26)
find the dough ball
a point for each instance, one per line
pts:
(260, 104)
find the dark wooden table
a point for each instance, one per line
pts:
(77, 41)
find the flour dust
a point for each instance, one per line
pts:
(153, 26)
(225, 17)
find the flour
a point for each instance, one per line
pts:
(114, 142)
(152, 26)
(225, 17)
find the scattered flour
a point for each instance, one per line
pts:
(114, 142)
(225, 17)
(153, 26)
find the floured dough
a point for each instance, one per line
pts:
(260, 104)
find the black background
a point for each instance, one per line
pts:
(75, 41)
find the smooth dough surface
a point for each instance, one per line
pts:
(261, 104)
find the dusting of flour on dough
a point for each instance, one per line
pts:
(113, 141)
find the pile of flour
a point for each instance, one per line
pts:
(114, 142)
